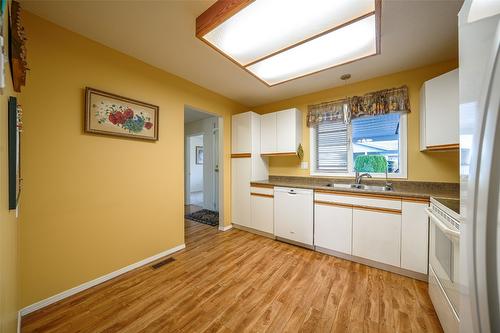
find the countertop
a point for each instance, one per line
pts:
(410, 189)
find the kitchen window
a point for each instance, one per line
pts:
(335, 145)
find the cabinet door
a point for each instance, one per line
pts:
(268, 133)
(333, 227)
(414, 237)
(241, 133)
(285, 131)
(442, 110)
(262, 214)
(240, 191)
(376, 236)
(293, 214)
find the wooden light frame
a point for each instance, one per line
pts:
(222, 10)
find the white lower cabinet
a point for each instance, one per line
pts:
(333, 227)
(414, 237)
(376, 235)
(262, 210)
(293, 214)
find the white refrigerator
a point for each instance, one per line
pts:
(479, 75)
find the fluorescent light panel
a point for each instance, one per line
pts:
(355, 41)
(276, 40)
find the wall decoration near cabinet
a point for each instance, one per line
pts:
(14, 125)
(17, 48)
(3, 5)
(199, 155)
(110, 114)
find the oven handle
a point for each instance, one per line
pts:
(454, 235)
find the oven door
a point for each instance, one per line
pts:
(444, 249)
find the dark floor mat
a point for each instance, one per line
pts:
(204, 216)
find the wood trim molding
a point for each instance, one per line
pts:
(261, 185)
(378, 209)
(222, 10)
(369, 195)
(374, 209)
(328, 203)
(415, 199)
(450, 146)
(279, 154)
(241, 155)
(216, 14)
(262, 195)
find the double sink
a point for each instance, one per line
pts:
(361, 187)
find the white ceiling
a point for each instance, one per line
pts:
(162, 33)
(191, 115)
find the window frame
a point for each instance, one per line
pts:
(403, 154)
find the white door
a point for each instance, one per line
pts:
(333, 227)
(240, 189)
(262, 214)
(376, 236)
(285, 131)
(293, 214)
(268, 133)
(241, 133)
(216, 169)
(414, 237)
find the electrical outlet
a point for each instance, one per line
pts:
(304, 165)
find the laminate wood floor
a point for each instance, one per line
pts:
(235, 281)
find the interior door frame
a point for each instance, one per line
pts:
(220, 126)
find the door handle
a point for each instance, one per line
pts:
(450, 233)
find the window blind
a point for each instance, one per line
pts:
(332, 144)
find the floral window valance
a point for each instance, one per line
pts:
(393, 100)
(329, 111)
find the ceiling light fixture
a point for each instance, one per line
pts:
(277, 41)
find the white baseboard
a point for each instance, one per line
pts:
(52, 299)
(225, 228)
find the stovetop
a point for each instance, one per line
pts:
(453, 204)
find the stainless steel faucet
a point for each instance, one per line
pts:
(360, 176)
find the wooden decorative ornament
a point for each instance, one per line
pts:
(17, 47)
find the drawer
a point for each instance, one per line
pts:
(267, 191)
(366, 200)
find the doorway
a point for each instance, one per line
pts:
(202, 167)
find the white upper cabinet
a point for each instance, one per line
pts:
(439, 112)
(268, 133)
(241, 137)
(281, 132)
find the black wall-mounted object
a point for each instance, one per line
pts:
(14, 169)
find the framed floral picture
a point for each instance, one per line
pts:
(199, 155)
(110, 114)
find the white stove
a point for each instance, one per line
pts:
(444, 250)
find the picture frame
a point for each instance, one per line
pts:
(199, 155)
(14, 150)
(111, 114)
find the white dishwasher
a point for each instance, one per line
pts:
(293, 215)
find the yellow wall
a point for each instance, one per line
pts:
(441, 167)
(9, 225)
(93, 204)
